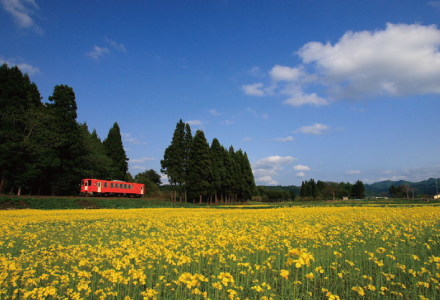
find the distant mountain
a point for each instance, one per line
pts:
(425, 187)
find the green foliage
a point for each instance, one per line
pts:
(115, 150)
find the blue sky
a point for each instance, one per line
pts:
(330, 90)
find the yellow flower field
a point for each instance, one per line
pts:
(285, 253)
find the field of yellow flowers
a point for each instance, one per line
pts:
(285, 253)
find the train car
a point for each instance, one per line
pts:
(108, 188)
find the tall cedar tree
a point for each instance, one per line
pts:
(200, 165)
(173, 163)
(95, 162)
(115, 150)
(21, 116)
(237, 179)
(227, 181)
(187, 146)
(218, 167)
(248, 175)
(66, 175)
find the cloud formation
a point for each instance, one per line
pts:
(301, 168)
(194, 122)
(400, 60)
(300, 174)
(24, 67)
(131, 140)
(283, 140)
(266, 180)
(115, 45)
(353, 172)
(98, 52)
(253, 89)
(21, 11)
(314, 129)
(269, 166)
(142, 160)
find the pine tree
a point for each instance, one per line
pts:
(200, 165)
(173, 164)
(218, 167)
(67, 174)
(187, 145)
(115, 150)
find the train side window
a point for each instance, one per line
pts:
(90, 183)
(117, 185)
(95, 183)
(121, 186)
(111, 185)
(125, 186)
(105, 184)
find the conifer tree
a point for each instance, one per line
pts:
(67, 174)
(218, 167)
(200, 165)
(115, 150)
(187, 146)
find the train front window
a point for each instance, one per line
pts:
(82, 183)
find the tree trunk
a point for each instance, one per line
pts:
(19, 190)
(2, 182)
(185, 195)
(216, 199)
(200, 199)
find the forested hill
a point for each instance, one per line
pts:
(425, 187)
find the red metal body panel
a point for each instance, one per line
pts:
(106, 187)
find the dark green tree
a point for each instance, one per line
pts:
(151, 175)
(115, 150)
(200, 165)
(187, 145)
(358, 190)
(218, 167)
(174, 157)
(66, 175)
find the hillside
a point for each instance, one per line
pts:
(425, 187)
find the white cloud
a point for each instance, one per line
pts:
(286, 139)
(138, 168)
(164, 179)
(126, 137)
(247, 139)
(256, 72)
(301, 168)
(300, 174)
(400, 60)
(435, 4)
(227, 122)
(266, 180)
(299, 98)
(142, 160)
(265, 116)
(21, 11)
(282, 73)
(253, 89)
(269, 166)
(213, 112)
(194, 122)
(115, 45)
(353, 172)
(97, 52)
(313, 129)
(24, 67)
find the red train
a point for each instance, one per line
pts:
(99, 187)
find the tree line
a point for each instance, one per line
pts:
(43, 149)
(209, 173)
(324, 190)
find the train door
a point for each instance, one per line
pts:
(142, 189)
(99, 187)
(86, 186)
